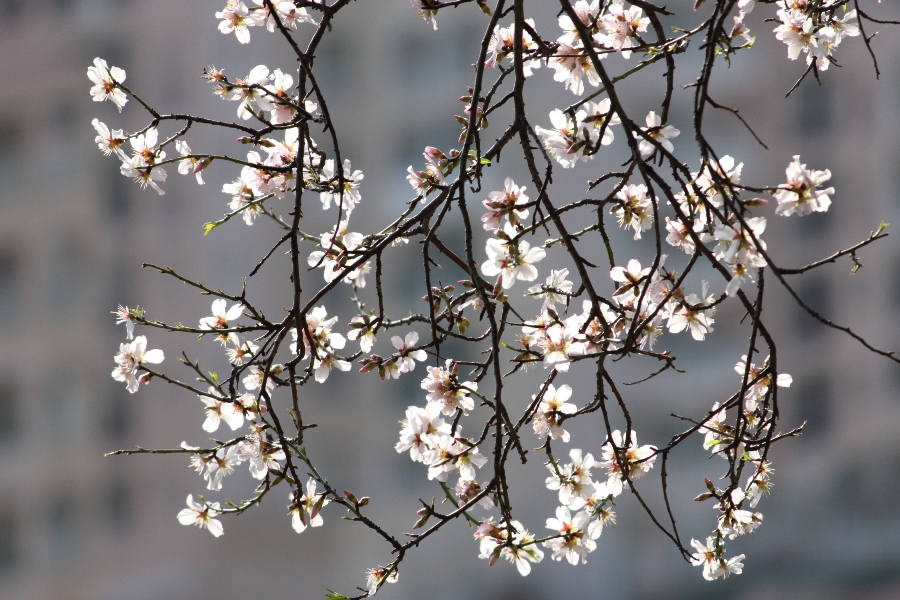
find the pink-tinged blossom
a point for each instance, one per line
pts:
(494, 542)
(320, 328)
(588, 15)
(236, 17)
(127, 316)
(578, 536)
(696, 320)
(467, 489)
(572, 66)
(202, 515)
(305, 511)
(106, 80)
(454, 454)
(130, 358)
(661, 134)
(622, 26)
(801, 196)
(502, 45)
(242, 351)
(560, 342)
(221, 409)
(555, 289)
(756, 392)
(679, 236)
(285, 10)
(421, 430)
(221, 463)
(255, 375)
(446, 391)
(142, 165)
(337, 252)
(551, 410)
(251, 93)
(324, 364)
(109, 141)
(362, 330)
(511, 260)
(797, 30)
(629, 280)
(378, 576)
(190, 164)
(261, 453)
(634, 209)
(506, 203)
(573, 140)
(625, 462)
(220, 318)
(350, 196)
(406, 363)
(573, 480)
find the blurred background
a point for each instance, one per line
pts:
(74, 233)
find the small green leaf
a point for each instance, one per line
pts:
(207, 227)
(332, 595)
(485, 161)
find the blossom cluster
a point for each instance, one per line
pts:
(581, 312)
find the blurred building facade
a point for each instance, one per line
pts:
(74, 232)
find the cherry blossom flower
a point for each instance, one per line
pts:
(634, 208)
(511, 261)
(494, 542)
(507, 204)
(552, 407)
(560, 342)
(572, 65)
(629, 279)
(109, 141)
(623, 463)
(221, 409)
(106, 80)
(242, 351)
(349, 196)
(502, 45)
(220, 318)
(454, 454)
(757, 391)
(360, 329)
(190, 164)
(285, 10)
(578, 536)
(573, 480)
(802, 196)
(445, 390)
(661, 134)
(127, 316)
(555, 289)
(622, 26)
(406, 363)
(421, 430)
(130, 358)
(466, 489)
(220, 464)
(377, 576)
(237, 17)
(202, 515)
(255, 375)
(261, 453)
(305, 511)
(698, 321)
